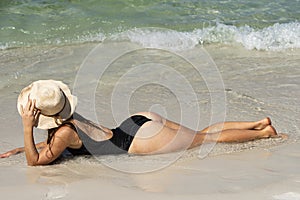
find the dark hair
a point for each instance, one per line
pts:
(52, 131)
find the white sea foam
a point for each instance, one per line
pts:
(4, 46)
(160, 38)
(276, 37)
(273, 38)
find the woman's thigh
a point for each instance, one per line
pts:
(153, 138)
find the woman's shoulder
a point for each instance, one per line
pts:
(66, 130)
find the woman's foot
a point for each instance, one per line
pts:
(263, 123)
(270, 132)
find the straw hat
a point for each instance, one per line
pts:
(53, 99)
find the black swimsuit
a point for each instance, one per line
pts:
(118, 144)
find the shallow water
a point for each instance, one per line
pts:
(256, 25)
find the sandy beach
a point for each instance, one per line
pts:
(256, 84)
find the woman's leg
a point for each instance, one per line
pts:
(239, 135)
(154, 137)
(258, 125)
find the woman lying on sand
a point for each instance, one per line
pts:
(49, 104)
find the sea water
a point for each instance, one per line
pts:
(263, 25)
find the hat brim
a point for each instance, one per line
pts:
(44, 121)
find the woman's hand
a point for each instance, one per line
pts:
(29, 114)
(9, 153)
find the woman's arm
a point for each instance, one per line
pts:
(21, 150)
(60, 141)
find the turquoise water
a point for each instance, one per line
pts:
(264, 24)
